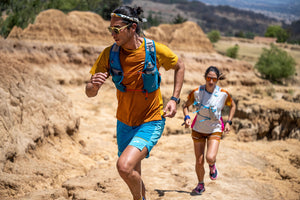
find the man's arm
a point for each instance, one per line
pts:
(178, 78)
(178, 81)
(93, 86)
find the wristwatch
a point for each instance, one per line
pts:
(177, 100)
(229, 122)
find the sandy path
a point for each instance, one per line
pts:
(257, 170)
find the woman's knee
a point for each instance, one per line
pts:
(210, 159)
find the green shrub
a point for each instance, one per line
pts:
(291, 91)
(232, 52)
(214, 36)
(275, 64)
(179, 19)
(277, 32)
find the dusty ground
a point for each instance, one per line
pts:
(256, 170)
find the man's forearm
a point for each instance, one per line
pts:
(178, 78)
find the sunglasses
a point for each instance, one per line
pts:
(210, 78)
(117, 30)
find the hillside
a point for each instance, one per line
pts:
(227, 20)
(286, 11)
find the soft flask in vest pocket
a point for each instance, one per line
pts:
(151, 78)
(117, 78)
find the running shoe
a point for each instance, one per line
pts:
(213, 174)
(199, 189)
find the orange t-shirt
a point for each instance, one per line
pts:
(134, 108)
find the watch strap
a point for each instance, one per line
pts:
(229, 122)
(177, 100)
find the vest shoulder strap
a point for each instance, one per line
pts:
(150, 55)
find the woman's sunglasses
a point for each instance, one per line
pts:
(117, 30)
(210, 78)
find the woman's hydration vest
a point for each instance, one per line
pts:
(209, 109)
(150, 73)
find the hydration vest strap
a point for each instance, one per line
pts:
(150, 54)
(150, 74)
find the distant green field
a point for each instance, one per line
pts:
(250, 51)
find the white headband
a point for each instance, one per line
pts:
(134, 19)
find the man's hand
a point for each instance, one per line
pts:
(95, 83)
(170, 109)
(98, 79)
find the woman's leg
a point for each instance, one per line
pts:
(212, 151)
(129, 168)
(199, 148)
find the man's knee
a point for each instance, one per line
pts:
(123, 168)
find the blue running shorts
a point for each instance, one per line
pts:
(145, 135)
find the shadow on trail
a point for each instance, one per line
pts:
(161, 193)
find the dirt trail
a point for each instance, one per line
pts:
(256, 170)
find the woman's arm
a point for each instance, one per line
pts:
(185, 108)
(230, 116)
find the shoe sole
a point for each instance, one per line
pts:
(195, 193)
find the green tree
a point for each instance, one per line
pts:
(152, 21)
(275, 64)
(277, 32)
(179, 19)
(249, 35)
(240, 34)
(214, 36)
(21, 13)
(232, 52)
(108, 6)
(4, 4)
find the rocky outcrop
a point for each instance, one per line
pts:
(32, 108)
(178, 37)
(55, 26)
(89, 28)
(257, 121)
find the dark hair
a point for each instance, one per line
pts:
(130, 12)
(214, 69)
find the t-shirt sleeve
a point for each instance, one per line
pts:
(102, 62)
(191, 96)
(228, 99)
(166, 57)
